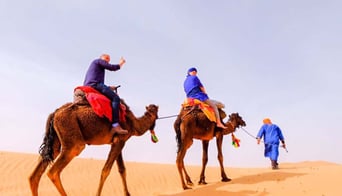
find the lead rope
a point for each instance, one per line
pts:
(154, 137)
(164, 117)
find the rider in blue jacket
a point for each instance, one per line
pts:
(195, 89)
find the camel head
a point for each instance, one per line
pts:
(152, 110)
(236, 120)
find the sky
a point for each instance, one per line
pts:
(276, 59)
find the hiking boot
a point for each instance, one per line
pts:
(119, 130)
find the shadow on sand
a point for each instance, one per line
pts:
(220, 188)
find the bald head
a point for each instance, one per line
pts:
(105, 57)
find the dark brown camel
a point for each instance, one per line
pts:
(71, 127)
(193, 124)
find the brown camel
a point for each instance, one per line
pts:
(74, 125)
(193, 124)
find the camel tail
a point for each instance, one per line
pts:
(46, 148)
(178, 134)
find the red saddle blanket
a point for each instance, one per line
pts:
(101, 104)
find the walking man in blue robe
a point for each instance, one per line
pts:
(272, 135)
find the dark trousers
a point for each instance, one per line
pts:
(115, 99)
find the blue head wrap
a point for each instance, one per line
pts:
(192, 69)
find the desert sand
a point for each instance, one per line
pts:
(82, 175)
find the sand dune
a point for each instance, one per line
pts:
(81, 177)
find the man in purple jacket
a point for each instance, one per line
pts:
(95, 78)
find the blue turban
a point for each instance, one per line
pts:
(192, 69)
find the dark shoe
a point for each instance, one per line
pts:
(119, 130)
(274, 164)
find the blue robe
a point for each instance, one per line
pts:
(192, 87)
(272, 135)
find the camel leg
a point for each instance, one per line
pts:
(187, 177)
(219, 140)
(36, 175)
(180, 163)
(205, 145)
(40, 169)
(122, 171)
(63, 160)
(114, 152)
(180, 166)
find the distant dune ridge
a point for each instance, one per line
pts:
(81, 177)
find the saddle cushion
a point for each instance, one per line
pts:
(100, 103)
(206, 109)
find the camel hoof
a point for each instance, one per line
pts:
(226, 179)
(190, 183)
(187, 188)
(202, 183)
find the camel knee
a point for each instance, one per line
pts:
(205, 160)
(32, 180)
(122, 170)
(220, 159)
(179, 161)
(33, 185)
(52, 175)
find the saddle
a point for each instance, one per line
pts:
(99, 103)
(191, 103)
